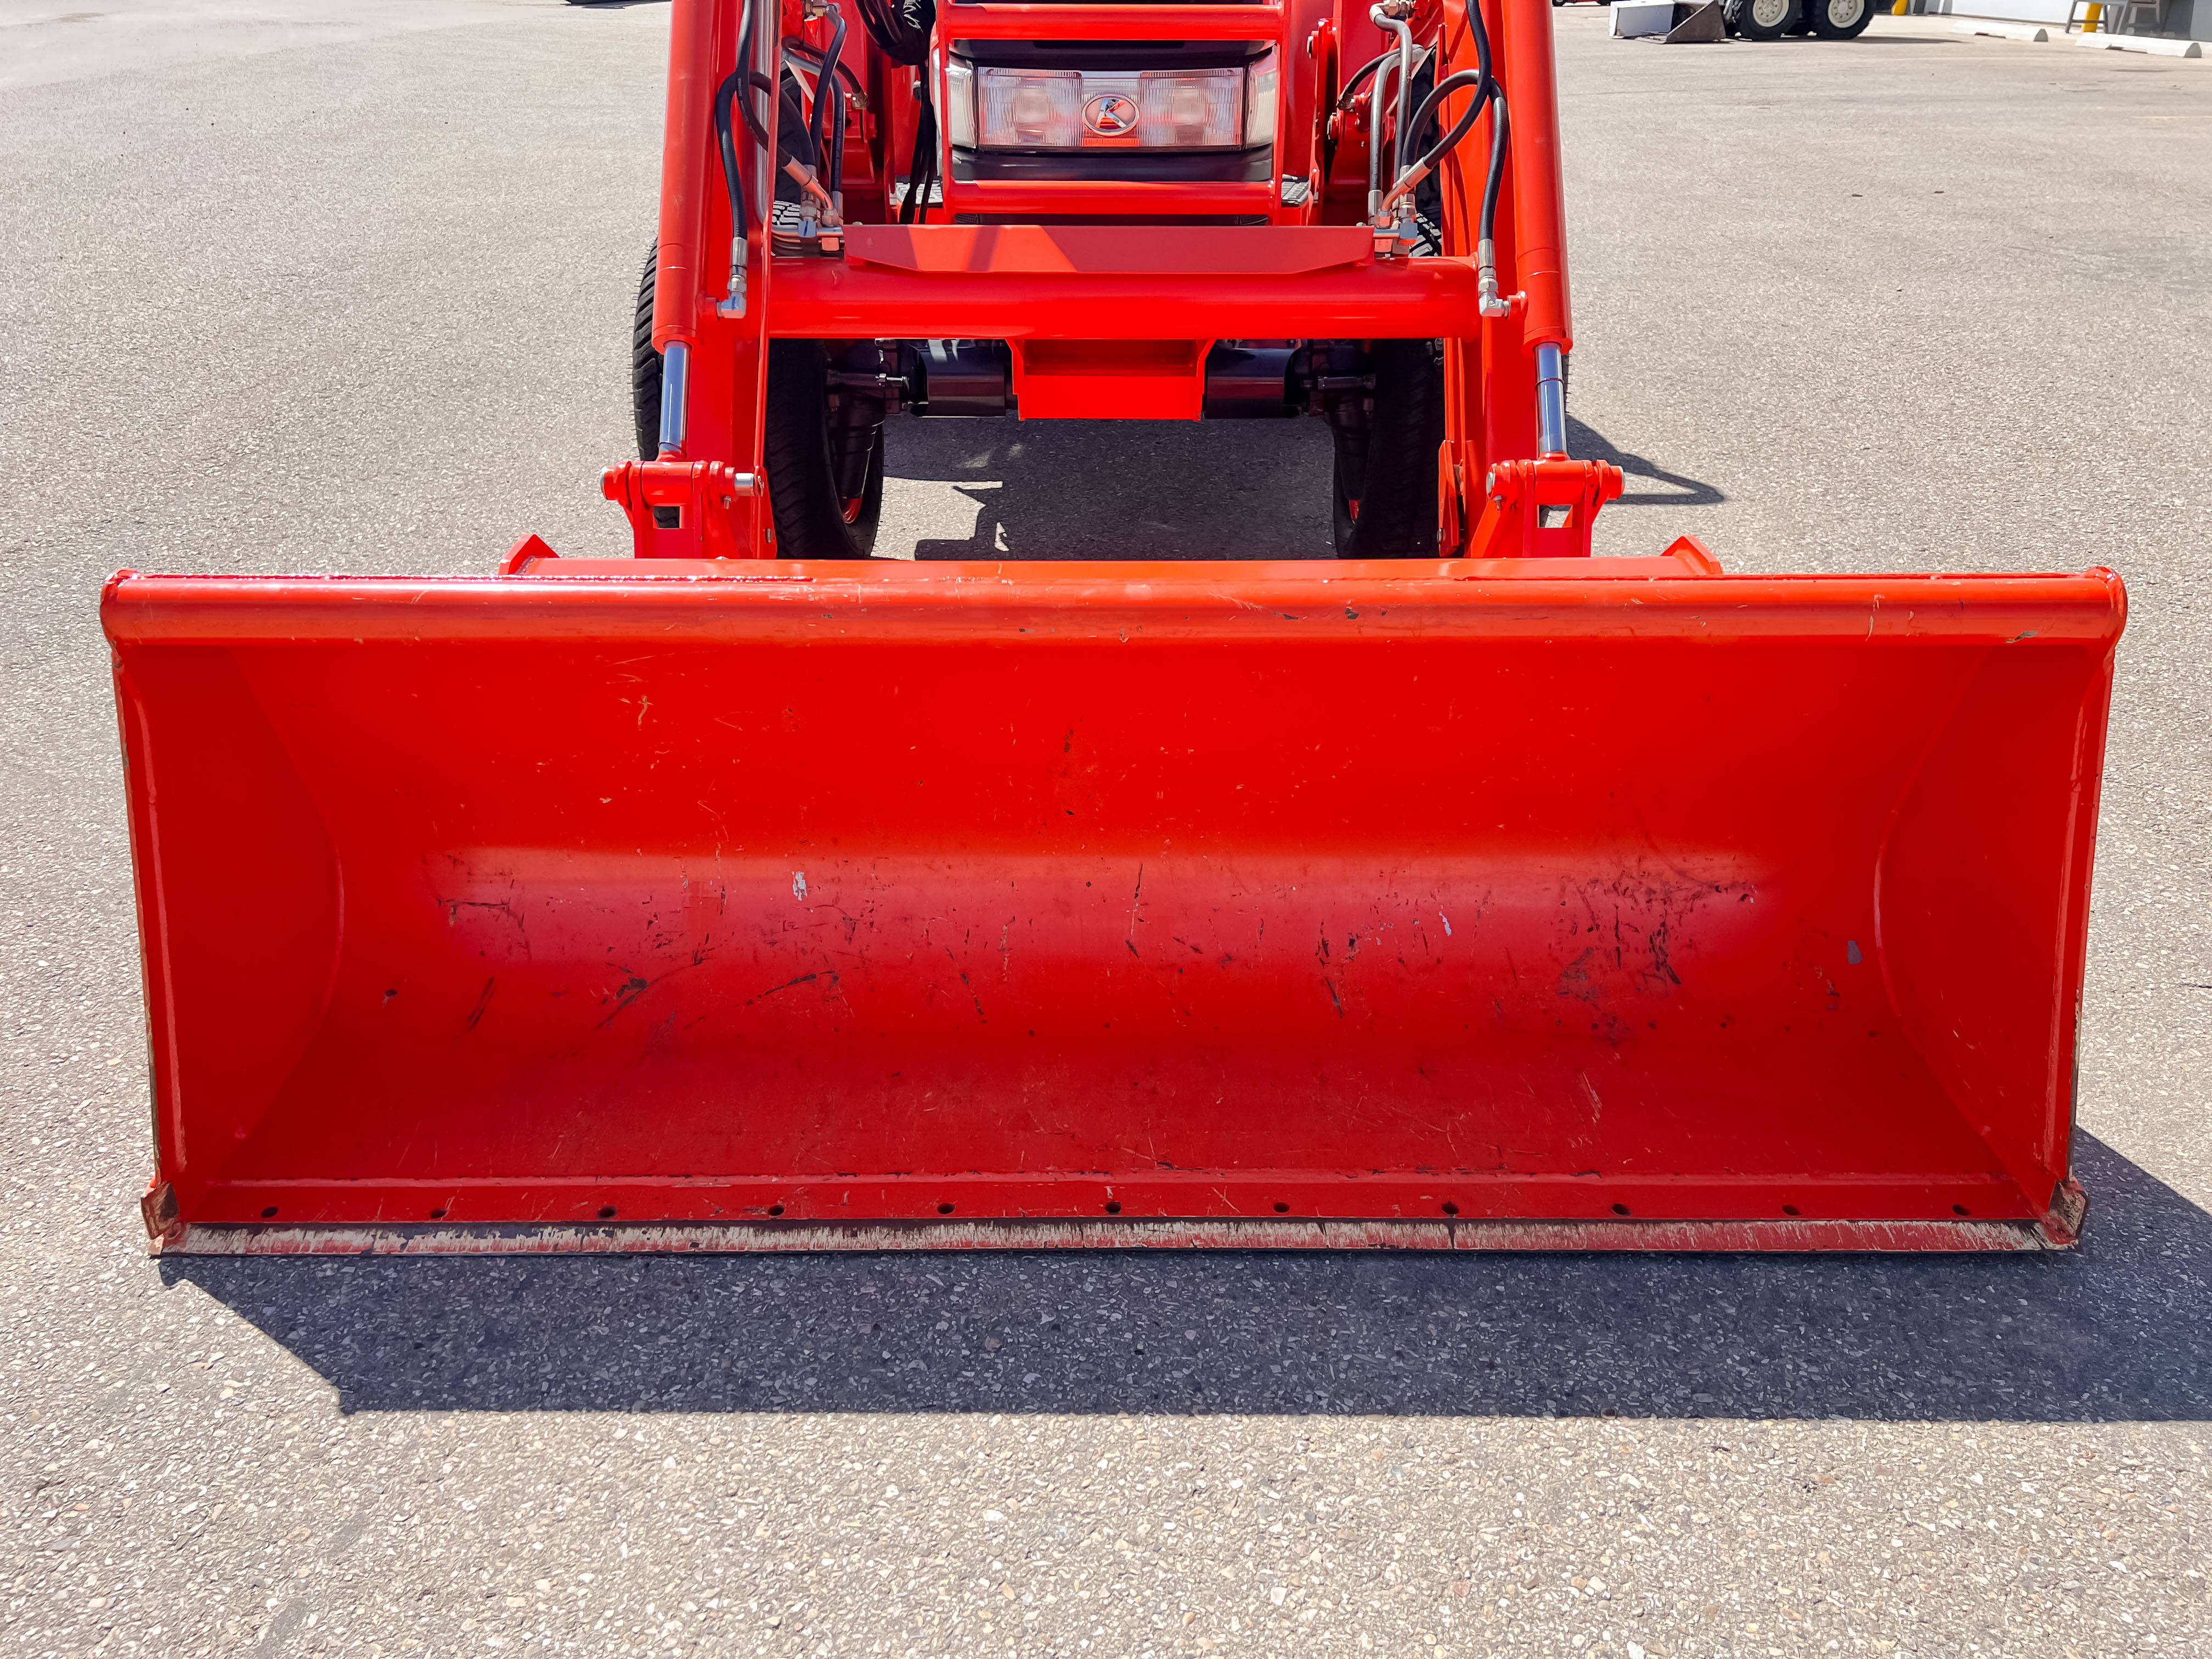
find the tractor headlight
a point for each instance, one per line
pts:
(1030, 109)
(996, 108)
(959, 103)
(1260, 101)
(1196, 108)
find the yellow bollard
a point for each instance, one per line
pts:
(2091, 16)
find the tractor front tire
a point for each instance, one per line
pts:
(645, 363)
(1383, 490)
(645, 379)
(811, 520)
(1839, 19)
(1757, 20)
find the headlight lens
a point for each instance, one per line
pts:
(960, 103)
(1030, 109)
(1260, 102)
(1197, 107)
(1068, 109)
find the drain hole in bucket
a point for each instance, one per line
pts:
(437, 1215)
(1280, 1209)
(1620, 1209)
(1791, 1209)
(1113, 1207)
(1961, 1209)
(269, 1213)
(945, 1209)
(606, 1213)
(1450, 1208)
(775, 1209)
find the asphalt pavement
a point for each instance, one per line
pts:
(345, 286)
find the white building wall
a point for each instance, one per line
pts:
(2186, 20)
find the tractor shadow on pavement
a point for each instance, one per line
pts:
(2118, 1331)
(1152, 489)
(1587, 443)
(1111, 490)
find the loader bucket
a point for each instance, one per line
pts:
(884, 905)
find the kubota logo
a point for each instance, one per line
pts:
(1111, 115)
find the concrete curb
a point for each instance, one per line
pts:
(2156, 47)
(2005, 31)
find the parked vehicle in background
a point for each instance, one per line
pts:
(1770, 19)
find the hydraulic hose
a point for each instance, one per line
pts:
(1499, 127)
(1487, 89)
(1352, 87)
(736, 88)
(1397, 26)
(1375, 135)
(1482, 78)
(1351, 93)
(1451, 83)
(837, 158)
(921, 170)
(726, 140)
(811, 58)
(825, 84)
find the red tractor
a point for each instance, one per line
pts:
(971, 159)
(1463, 891)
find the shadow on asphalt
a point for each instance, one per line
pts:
(1125, 489)
(1169, 490)
(2116, 1331)
(1587, 443)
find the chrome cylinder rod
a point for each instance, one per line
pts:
(1551, 403)
(675, 389)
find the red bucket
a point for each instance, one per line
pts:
(884, 905)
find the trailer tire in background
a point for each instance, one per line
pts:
(1757, 20)
(1840, 19)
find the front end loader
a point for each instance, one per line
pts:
(1459, 891)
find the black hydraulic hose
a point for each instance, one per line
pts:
(1352, 87)
(725, 138)
(1352, 90)
(825, 85)
(728, 141)
(834, 163)
(1498, 125)
(811, 58)
(921, 170)
(1480, 77)
(1487, 89)
(1451, 83)
(1421, 56)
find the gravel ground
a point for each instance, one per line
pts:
(344, 286)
